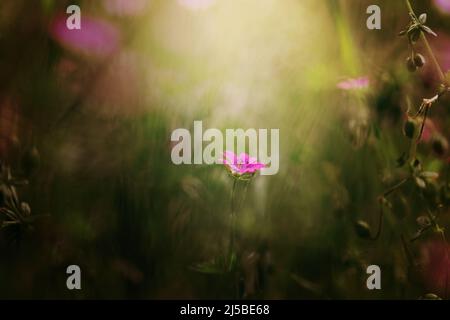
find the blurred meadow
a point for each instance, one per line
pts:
(86, 118)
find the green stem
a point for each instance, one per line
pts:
(380, 223)
(410, 9)
(233, 225)
(423, 123)
(395, 187)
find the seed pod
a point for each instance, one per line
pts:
(409, 128)
(416, 164)
(419, 60)
(440, 145)
(362, 229)
(30, 161)
(410, 65)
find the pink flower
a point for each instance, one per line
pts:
(95, 38)
(429, 130)
(443, 5)
(241, 165)
(355, 83)
(441, 48)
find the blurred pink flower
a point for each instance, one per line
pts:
(443, 5)
(125, 7)
(355, 83)
(429, 130)
(436, 266)
(117, 89)
(95, 38)
(441, 48)
(242, 164)
(196, 4)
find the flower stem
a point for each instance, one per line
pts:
(395, 187)
(425, 114)
(380, 223)
(233, 225)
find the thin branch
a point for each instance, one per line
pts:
(395, 187)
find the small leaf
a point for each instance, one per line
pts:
(420, 182)
(402, 33)
(428, 30)
(423, 18)
(429, 175)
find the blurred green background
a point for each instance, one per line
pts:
(87, 121)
